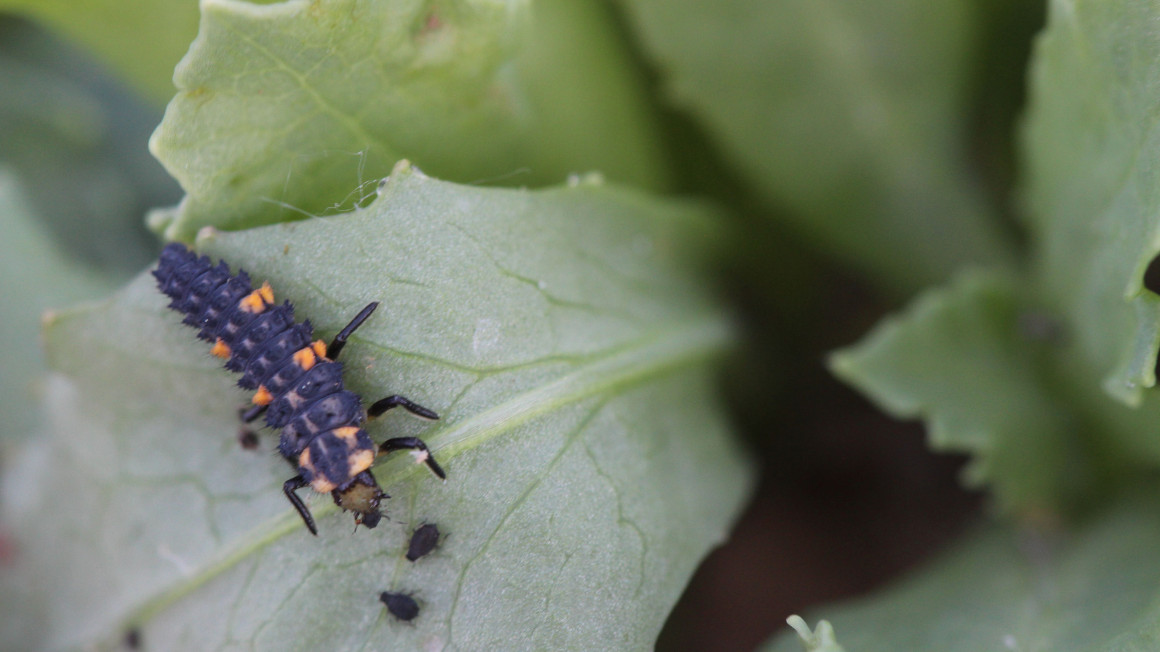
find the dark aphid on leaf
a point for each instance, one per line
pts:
(401, 605)
(296, 382)
(423, 541)
(248, 439)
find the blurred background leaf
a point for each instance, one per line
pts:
(141, 39)
(1091, 588)
(853, 116)
(969, 362)
(1092, 223)
(34, 276)
(75, 139)
(75, 182)
(1088, 297)
(1092, 157)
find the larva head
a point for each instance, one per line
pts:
(362, 496)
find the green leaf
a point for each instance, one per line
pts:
(1039, 418)
(289, 109)
(566, 338)
(34, 276)
(76, 141)
(1093, 169)
(141, 39)
(849, 113)
(965, 359)
(1092, 588)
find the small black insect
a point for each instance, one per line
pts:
(423, 541)
(248, 439)
(401, 605)
(298, 384)
(132, 639)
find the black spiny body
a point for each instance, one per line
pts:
(296, 381)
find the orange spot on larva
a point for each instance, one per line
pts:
(220, 349)
(304, 358)
(360, 461)
(253, 302)
(262, 396)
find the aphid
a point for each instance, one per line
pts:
(132, 639)
(401, 605)
(248, 439)
(423, 541)
(297, 383)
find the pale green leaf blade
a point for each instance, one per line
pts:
(850, 113)
(141, 39)
(1091, 154)
(1089, 589)
(287, 109)
(566, 337)
(966, 360)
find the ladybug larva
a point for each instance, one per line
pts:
(296, 380)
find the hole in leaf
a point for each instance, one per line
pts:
(1152, 276)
